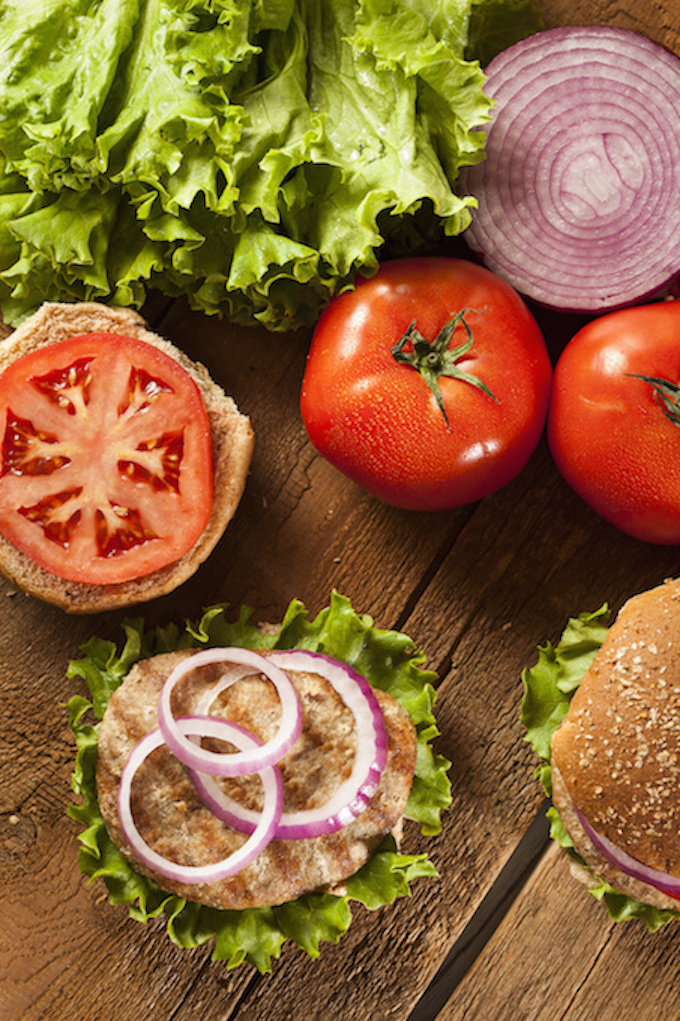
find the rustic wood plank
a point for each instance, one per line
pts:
(557, 955)
(657, 19)
(486, 603)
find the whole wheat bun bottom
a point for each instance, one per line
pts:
(602, 867)
(616, 754)
(232, 440)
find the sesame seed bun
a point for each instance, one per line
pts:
(232, 441)
(616, 755)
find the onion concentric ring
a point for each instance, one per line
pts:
(352, 796)
(203, 726)
(579, 193)
(245, 761)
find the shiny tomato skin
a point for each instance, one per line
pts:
(377, 421)
(607, 430)
(106, 472)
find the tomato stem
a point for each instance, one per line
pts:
(667, 394)
(433, 359)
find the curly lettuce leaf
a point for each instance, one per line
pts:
(387, 658)
(549, 687)
(253, 155)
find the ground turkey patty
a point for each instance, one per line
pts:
(175, 823)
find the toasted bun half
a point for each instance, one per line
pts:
(232, 442)
(616, 755)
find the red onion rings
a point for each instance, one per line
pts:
(242, 762)
(579, 193)
(183, 735)
(204, 726)
(353, 795)
(630, 866)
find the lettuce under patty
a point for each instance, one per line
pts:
(387, 659)
(253, 155)
(549, 687)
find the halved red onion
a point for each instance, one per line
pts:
(267, 819)
(625, 863)
(352, 796)
(579, 193)
(231, 763)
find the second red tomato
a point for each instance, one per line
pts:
(614, 424)
(428, 384)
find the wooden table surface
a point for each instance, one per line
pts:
(505, 933)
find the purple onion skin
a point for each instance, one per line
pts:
(630, 866)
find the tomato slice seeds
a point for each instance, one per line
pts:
(106, 470)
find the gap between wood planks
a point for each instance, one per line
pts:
(429, 574)
(486, 919)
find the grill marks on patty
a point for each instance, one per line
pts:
(174, 821)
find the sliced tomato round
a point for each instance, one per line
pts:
(106, 458)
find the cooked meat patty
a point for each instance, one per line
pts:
(175, 823)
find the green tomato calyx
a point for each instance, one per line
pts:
(433, 359)
(667, 395)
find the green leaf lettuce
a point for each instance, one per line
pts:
(386, 658)
(253, 155)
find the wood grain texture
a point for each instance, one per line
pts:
(479, 589)
(557, 955)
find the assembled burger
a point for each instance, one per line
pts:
(602, 710)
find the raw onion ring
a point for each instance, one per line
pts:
(242, 762)
(203, 726)
(625, 862)
(579, 192)
(353, 795)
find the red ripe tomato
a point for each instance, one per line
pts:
(106, 458)
(614, 421)
(428, 384)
